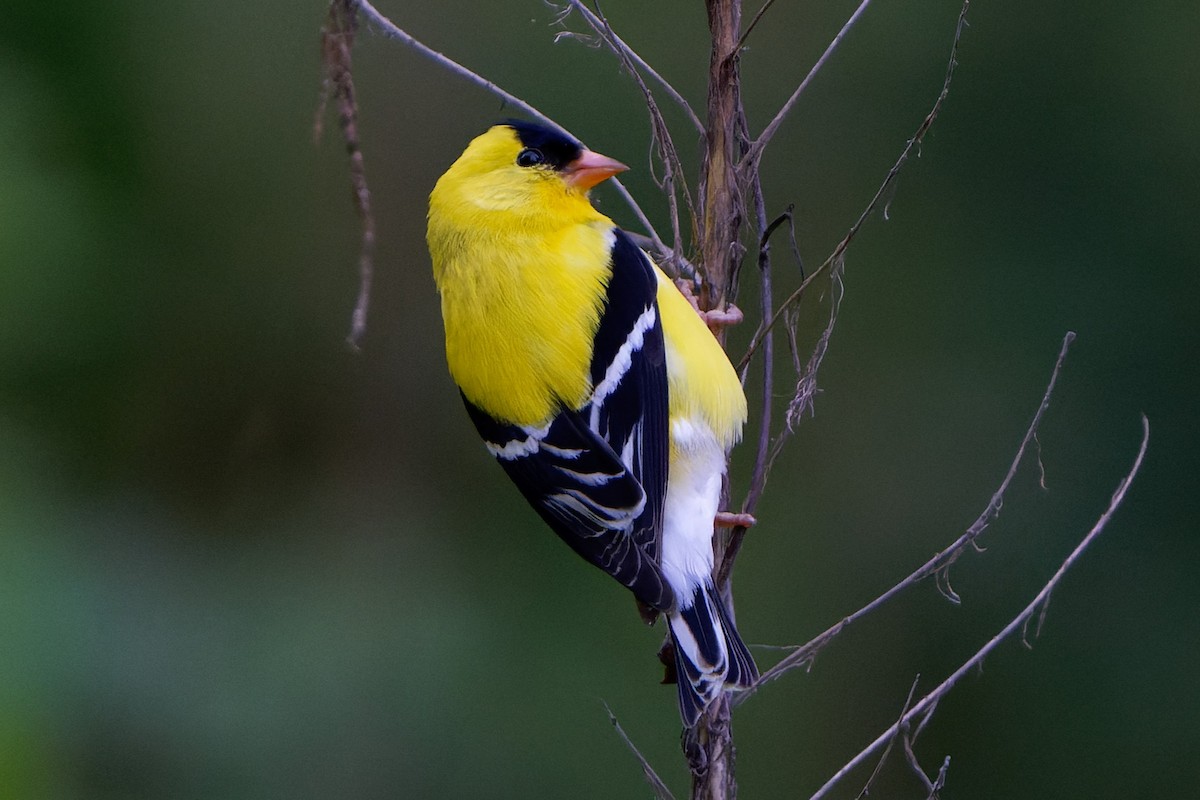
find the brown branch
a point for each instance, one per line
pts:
(939, 565)
(337, 43)
(721, 206)
(840, 251)
(926, 704)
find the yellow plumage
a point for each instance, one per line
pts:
(702, 382)
(592, 380)
(505, 250)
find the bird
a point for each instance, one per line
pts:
(593, 382)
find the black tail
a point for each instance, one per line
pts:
(710, 656)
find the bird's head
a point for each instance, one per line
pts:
(524, 170)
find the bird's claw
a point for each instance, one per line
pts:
(723, 317)
(728, 519)
(716, 318)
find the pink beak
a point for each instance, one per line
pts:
(590, 169)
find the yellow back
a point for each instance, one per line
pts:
(703, 385)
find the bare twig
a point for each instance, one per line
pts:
(839, 251)
(758, 477)
(802, 399)
(392, 31)
(337, 43)
(754, 22)
(806, 384)
(673, 174)
(939, 564)
(932, 787)
(754, 155)
(618, 45)
(928, 701)
(899, 734)
(661, 792)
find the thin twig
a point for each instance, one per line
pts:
(939, 564)
(673, 177)
(977, 659)
(803, 396)
(392, 31)
(899, 734)
(754, 155)
(889, 179)
(753, 22)
(618, 43)
(337, 44)
(661, 792)
(932, 787)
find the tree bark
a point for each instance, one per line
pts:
(709, 746)
(721, 206)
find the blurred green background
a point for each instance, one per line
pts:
(238, 561)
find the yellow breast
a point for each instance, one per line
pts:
(521, 302)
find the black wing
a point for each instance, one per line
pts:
(629, 379)
(598, 474)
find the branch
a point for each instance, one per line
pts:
(928, 703)
(754, 22)
(839, 251)
(624, 51)
(750, 161)
(661, 792)
(768, 449)
(337, 43)
(672, 167)
(938, 565)
(392, 31)
(912, 690)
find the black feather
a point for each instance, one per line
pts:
(558, 148)
(598, 474)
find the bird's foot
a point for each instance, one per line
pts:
(728, 519)
(716, 318)
(723, 317)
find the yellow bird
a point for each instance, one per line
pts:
(592, 381)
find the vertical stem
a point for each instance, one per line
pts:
(720, 199)
(709, 746)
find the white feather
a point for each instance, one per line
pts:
(693, 492)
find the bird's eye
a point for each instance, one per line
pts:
(530, 157)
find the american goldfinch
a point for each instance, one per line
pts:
(592, 381)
